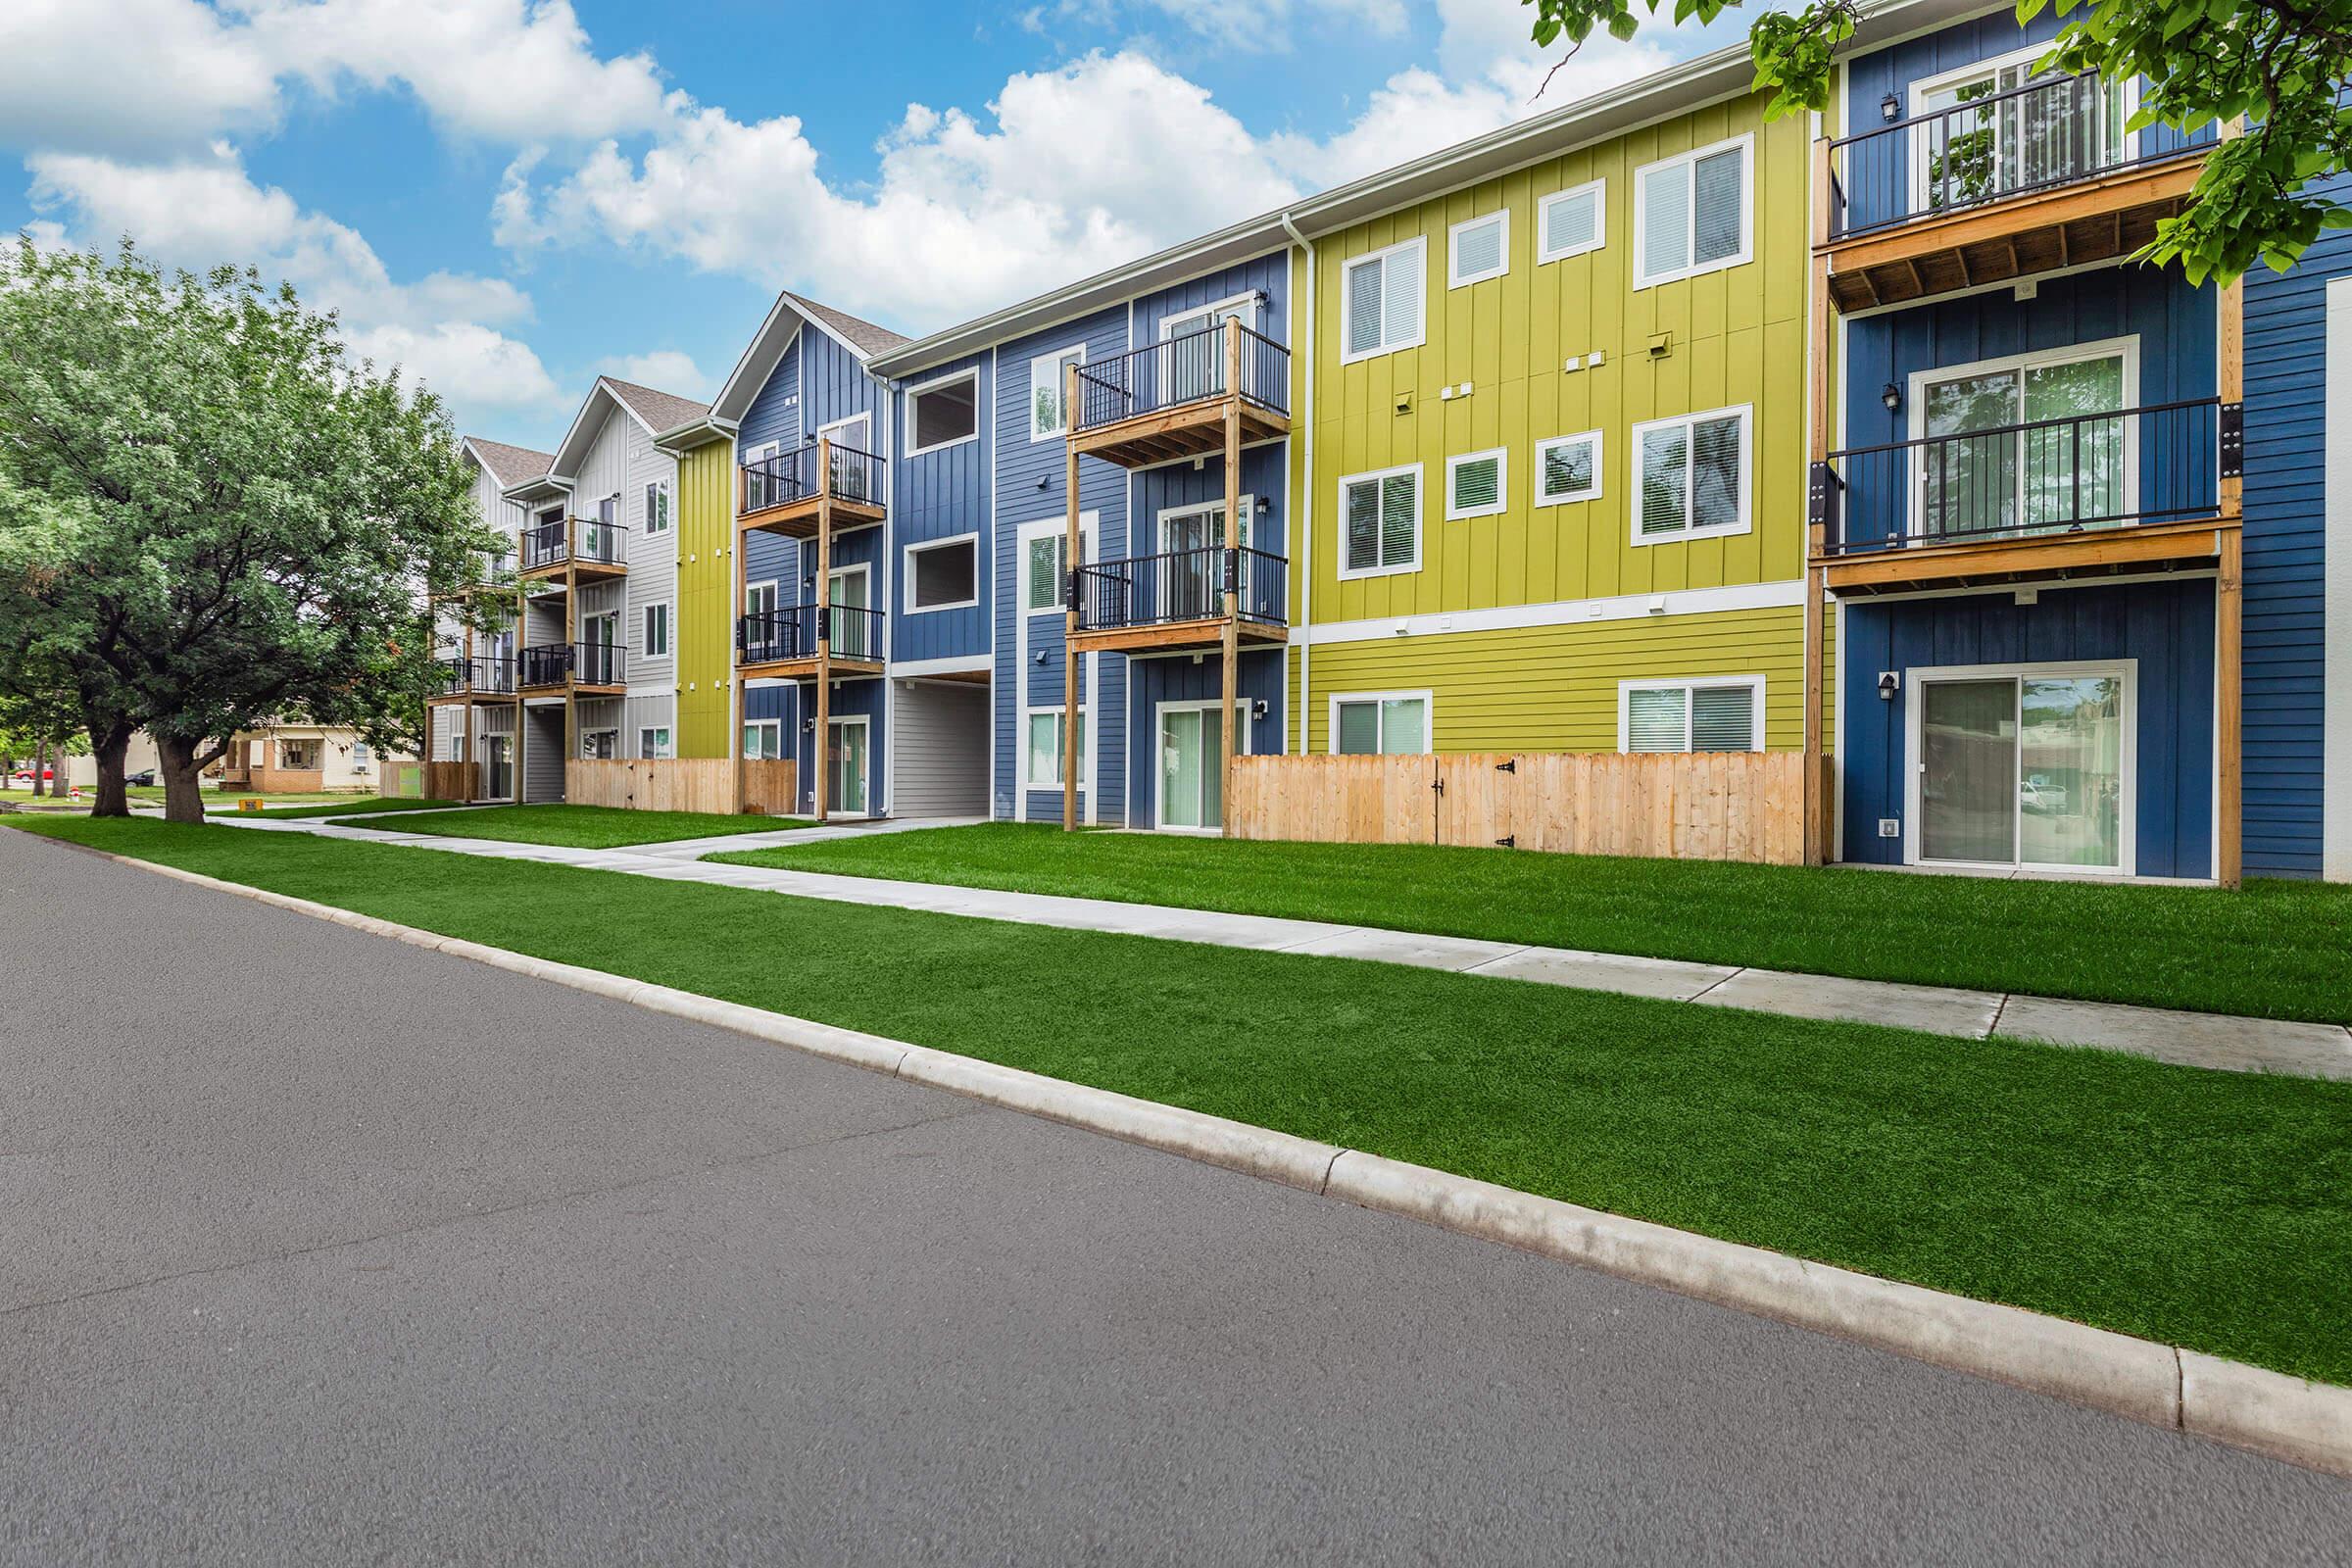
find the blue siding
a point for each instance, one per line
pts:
(1179, 679)
(2174, 321)
(2285, 541)
(1029, 480)
(940, 495)
(2168, 627)
(774, 416)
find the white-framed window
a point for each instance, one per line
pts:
(1041, 749)
(1568, 468)
(2027, 764)
(655, 643)
(2082, 472)
(1477, 249)
(1692, 212)
(1570, 222)
(942, 413)
(942, 575)
(657, 507)
(1381, 297)
(2032, 142)
(759, 598)
(1690, 475)
(1381, 723)
(600, 745)
(1478, 483)
(1380, 521)
(1048, 391)
(1191, 348)
(652, 741)
(1044, 563)
(1719, 713)
(360, 754)
(762, 739)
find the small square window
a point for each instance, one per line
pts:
(1570, 222)
(1476, 485)
(1380, 521)
(1040, 765)
(1568, 468)
(1380, 724)
(1479, 249)
(652, 741)
(1379, 301)
(943, 575)
(944, 413)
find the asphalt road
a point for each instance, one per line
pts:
(318, 1247)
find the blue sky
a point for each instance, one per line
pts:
(509, 196)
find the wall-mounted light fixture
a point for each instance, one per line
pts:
(1893, 396)
(1257, 710)
(1891, 108)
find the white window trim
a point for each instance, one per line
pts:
(1598, 189)
(1340, 520)
(1687, 684)
(1035, 359)
(587, 735)
(1926, 87)
(933, 385)
(1029, 532)
(824, 760)
(1454, 276)
(1503, 483)
(1168, 515)
(775, 725)
(1243, 719)
(1747, 213)
(906, 574)
(2125, 346)
(2128, 772)
(1747, 477)
(1600, 446)
(1429, 717)
(669, 627)
(662, 750)
(775, 589)
(1420, 243)
(1086, 723)
(1244, 305)
(666, 512)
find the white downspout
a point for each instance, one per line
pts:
(1305, 502)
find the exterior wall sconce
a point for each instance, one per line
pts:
(1893, 396)
(1891, 108)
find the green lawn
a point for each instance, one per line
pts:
(2202, 1208)
(350, 806)
(2280, 949)
(588, 827)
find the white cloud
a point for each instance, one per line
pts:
(662, 370)
(198, 212)
(180, 72)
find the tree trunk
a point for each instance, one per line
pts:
(110, 747)
(40, 765)
(177, 762)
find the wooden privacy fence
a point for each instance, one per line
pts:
(451, 781)
(680, 784)
(1695, 806)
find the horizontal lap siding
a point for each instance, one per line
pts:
(2286, 550)
(1554, 688)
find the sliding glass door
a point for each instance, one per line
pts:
(2030, 769)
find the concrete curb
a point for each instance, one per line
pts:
(2228, 1401)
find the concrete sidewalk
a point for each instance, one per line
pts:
(2189, 1039)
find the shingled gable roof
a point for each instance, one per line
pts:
(659, 410)
(656, 411)
(777, 332)
(864, 336)
(509, 465)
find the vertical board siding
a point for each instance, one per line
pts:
(2285, 548)
(941, 494)
(2168, 627)
(774, 415)
(1735, 336)
(707, 609)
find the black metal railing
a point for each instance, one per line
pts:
(1192, 368)
(770, 637)
(481, 673)
(586, 664)
(574, 539)
(794, 475)
(1181, 585)
(2160, 463)
(2041, 136)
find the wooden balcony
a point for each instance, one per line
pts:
(1997, 190)
(570, 548)
(2085, 496)
(808, 641)
(788, 494)
(1171, 400)
(1175, 601)
(576, 670)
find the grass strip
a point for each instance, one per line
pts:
(2274, 949)
(589, 827)
(2202, 1208)
(360, 805)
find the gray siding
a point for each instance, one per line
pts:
(941, 746)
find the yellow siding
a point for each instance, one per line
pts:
(1554, 688)
(1737, 338)
(706, 598)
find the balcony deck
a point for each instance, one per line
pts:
(797, 517)
(1177, 636)
(789, 493)
(1187, 430)
(805, 666)
(793, 644)
(1170, 400)
(2091, 551)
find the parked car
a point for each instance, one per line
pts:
(22, 777)
(145, 777)
(2041, 796)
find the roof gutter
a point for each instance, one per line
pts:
(1302, 337)
(695, 433)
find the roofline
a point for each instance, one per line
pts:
(798, 305)
(695, 433)
(472, 444)
(1723, 74)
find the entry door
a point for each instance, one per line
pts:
(853, 442)
(2030, 769)
(499, 756)
(2061, 471)
(853, 630)
(845, 765)
(597, 634)
(1193, 352)
(1193, 585)
(2061, 132)
(1192, 766)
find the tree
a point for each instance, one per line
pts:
(238, 522)
(2277, 64)
(53, 676)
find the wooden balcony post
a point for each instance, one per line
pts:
(735, 703)
(571, 645)
(1075, 546)
(1228, 635)
(821, 749)
(1818, 795)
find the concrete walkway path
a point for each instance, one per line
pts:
(2189, 1039)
